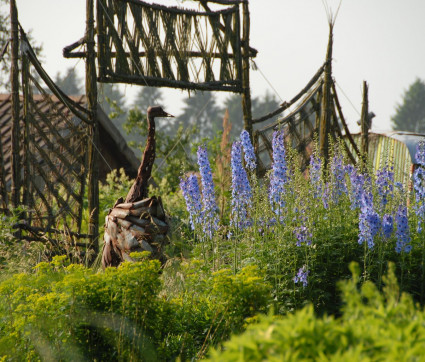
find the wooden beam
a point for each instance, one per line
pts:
(93, 139)
(228, 86)
(344, 124)
(364, 122)
(26, 162)
(14, 80)
(325, 119)
(246, 91)
(157, 52)
(286, 105)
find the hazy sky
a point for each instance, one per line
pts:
(380, 41)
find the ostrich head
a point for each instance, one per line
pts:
(157, 111)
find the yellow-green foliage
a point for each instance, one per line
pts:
(71, 312)
(373, 326)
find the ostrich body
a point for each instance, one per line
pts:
(139, 222)
(139, 190)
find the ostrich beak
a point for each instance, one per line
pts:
(165, 114)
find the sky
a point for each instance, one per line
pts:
(379, 41)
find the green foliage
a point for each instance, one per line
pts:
(410, 114)
(17, 256)
(67, 311)
(146, 97)
(373, 326)
(333, 244)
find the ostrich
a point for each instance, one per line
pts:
(138, 223)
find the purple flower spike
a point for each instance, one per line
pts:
(369, 221)
(241, 189)
(387, 225)
(316, 175)
(420, 153)
(248, 150)
(303, 235)
(192, 196)
(357, 181)
(402, 232)
(302, 275)
(279, 177)
(338, 180)
(385, 183)
(209, 211)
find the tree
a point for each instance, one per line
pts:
(70, 84)
(4, 38)
(202, 111)
(410, 114)
(147, 96)
(260, 107)
(263, 105)
(233, 104)
(111, 99)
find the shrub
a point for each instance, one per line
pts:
(373, 326)
(71, 312)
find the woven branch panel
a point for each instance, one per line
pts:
(302, 124)
(132, 227)
(299, 128)
(155, 45)
(53, 156)
(56, 165)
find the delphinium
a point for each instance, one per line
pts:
(338, 177)
(420, 153)
(385, 184)
(369, 220)
(316, 175)
(241, 189)
(303, 235)
(387, 226)
(279, 175)
(209, 211)
(248, 150)
(302, 276)
(357, 181)
(402, 231)
(190, 189)
(326, 195)
(419, 207)
(419, 185)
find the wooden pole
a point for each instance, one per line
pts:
(93, 144)
(14, 81)
(26, 161)
(3, 189)
(325, 119)
(364, 123)
(246, 91)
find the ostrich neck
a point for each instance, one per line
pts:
(139, 190)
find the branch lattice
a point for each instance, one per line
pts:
(155, 45)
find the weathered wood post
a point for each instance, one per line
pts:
(93, 143)
(365, 125)
(14, 81)
(246, 91)
(325, 119)
(25, 99)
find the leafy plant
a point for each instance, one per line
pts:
(373, 326)
(68, 311)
